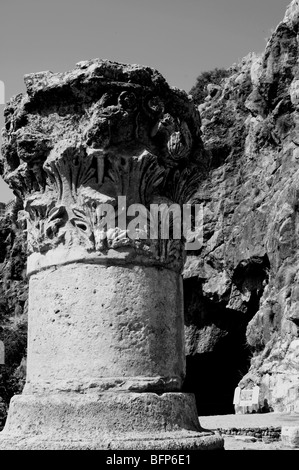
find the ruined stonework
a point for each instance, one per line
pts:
(79, 140)
(106, 357)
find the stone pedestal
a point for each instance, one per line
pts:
(106, 357)
(108, 420)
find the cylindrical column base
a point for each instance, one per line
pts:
(106, 421)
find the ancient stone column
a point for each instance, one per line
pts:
(106, 355)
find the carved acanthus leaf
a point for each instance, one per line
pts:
(76, 142)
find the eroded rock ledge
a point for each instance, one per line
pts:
(248, 267)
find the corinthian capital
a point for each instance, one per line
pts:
(80, 148)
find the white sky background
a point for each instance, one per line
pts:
(179, 38)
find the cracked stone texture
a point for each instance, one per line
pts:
(249, 262)
(100, 327)
(105, 310)
(13, 310)
(106, 421)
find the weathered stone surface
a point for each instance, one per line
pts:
(13, 310)
(247, 269)
(121, 331)
(105, 412)
(290, 436)
(81, 139)
(105, 307)
(241, 304)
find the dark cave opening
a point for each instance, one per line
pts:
(213, 376)
(215, 365)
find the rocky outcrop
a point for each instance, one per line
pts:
(247, 270)
(13, 309)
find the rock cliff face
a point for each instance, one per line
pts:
(13, 310)
(244, 306)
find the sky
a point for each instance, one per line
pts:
(179, 38)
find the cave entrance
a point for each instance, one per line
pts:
(214, 375)
(218, 355)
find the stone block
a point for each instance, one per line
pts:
(290, 436)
